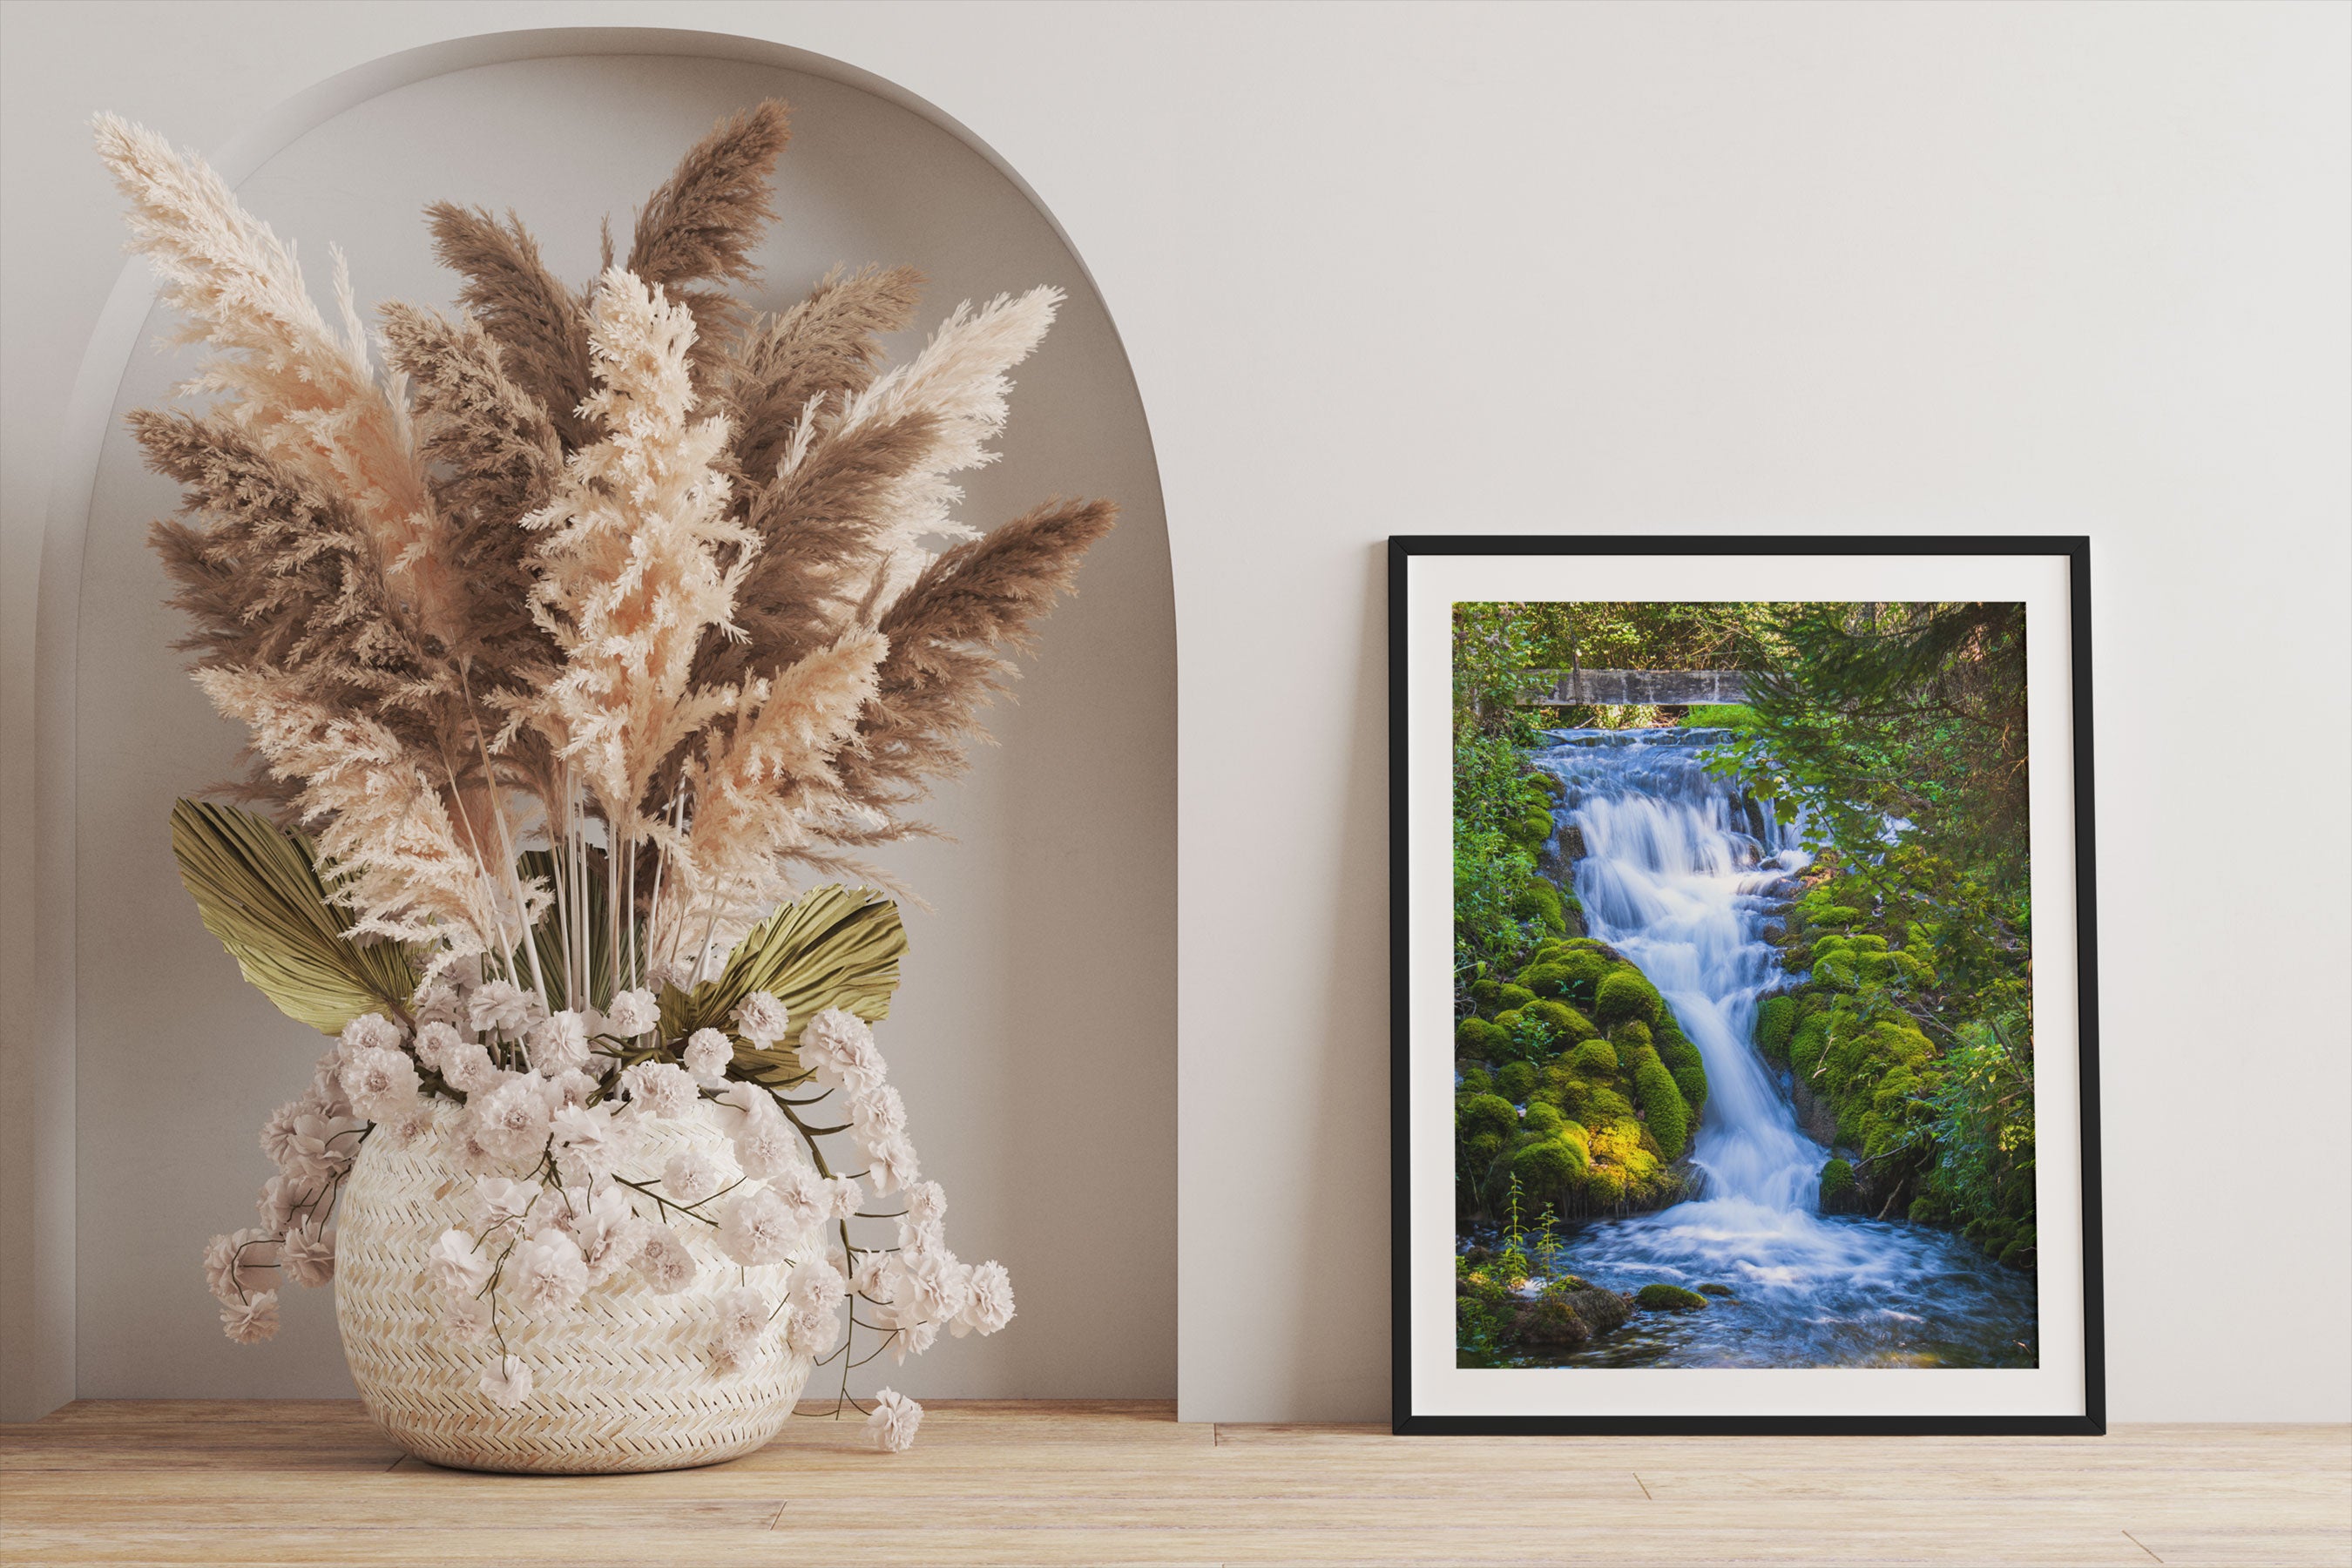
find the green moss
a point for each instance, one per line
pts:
(1668, 1298)
(1584, 970)
(1509, 1022)
(1479, 1040)
(1626, 995)
(1543, 1119)
(1567, 1025)
(1717, 1291)
(1549, 783)
(1833, 915)
(1530, 828)
(1484, 992)
(1479, 1151)
(1539, 901)
(1837, 1183)
(1505, 999)
(1545, 977)
(1480, 1115)
(1664, 1110)
(1550, 1170)
(1631, 1037)
(1516, 1080)
(1720, 716)
(1683, 1060)
(1776, 1021)
(1595, 1059)
(1805, 1050)
(1474, 1081)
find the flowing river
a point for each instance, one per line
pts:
(1681, 872)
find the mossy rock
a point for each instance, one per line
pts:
(1509, 997)
(1716, 1291)
(1549, 783)
(1509, 1022)
(1481, 1150)
(1833, 915)
(1530, 828)
(1542, 1118)
(1567, 1025)
(1480, 1040)
(1545, 977)
(1483, 994)
(1809, 1044)
(1631, 1037)
(1584, 969)
(1548, 1323)
(1683, 1060)
(1839, 1192)
(1776, 1021)
(1550, 1170)
(1663, 1298)
(1514, 1081)
(1539, 901)
(1595, 1059)
(1624, 995)
(1476, 1080)
(1478, 1115)
(1664, 1110)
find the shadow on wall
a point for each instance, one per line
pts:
(1034, 1032)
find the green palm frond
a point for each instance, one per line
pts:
(258, 890)
(837, 947)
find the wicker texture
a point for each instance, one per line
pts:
(625, 1381)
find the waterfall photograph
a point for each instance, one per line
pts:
(1742, 985)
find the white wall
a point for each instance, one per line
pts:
(1420, 268)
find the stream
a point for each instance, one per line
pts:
(1681, 872)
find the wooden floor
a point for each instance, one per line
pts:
(305, 1482)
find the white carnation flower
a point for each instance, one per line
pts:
(761, 1019)
(812, 1300)
(239, 1264)
(987, 1303)
(759, 1228)
(511, 1121)
(303, 1144)
(877, 1115)
(438, 1003)
(278, 1132)
(498, 1203)
(503, 1006)
(308, 1254)
(407, 1124)
(370, 1032)
(658, 1089)
(557, 1042)
(284, 1200)
(707, 1052)
(589, 1143)
(464, 1319)
(839, 1049)
(325, 1096)
(467, 1068)
(570, 1087)
(631, 1014)
(913, 1339)
(891, 1427)
(665, 1262)
(868, 1276)
(927, 1203)
(843, 1198)
(455, 1266)
(434, 1041)
(545, 1274)
(380, 1083)
(765, 1144)
(891, 1164)
(471, 1155)
(742, 1313)
(610, 1234)
(509, 1385)
(692, 1176)
(251, 1321)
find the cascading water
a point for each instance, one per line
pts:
(1681, 872)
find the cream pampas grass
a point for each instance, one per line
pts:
(604, 615)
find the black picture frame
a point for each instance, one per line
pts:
(1402, 550)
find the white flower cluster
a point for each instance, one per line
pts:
(554, 1109)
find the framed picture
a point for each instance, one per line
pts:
(1745, 1027)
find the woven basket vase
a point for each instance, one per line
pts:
(625, 1381)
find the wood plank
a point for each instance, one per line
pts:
(168, 1482)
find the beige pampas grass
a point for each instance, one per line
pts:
(631, 577)
(621, 582)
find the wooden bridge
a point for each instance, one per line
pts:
(1664, 688)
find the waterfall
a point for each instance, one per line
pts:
(1681, 871)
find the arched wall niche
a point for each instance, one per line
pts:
(1034, 1033)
